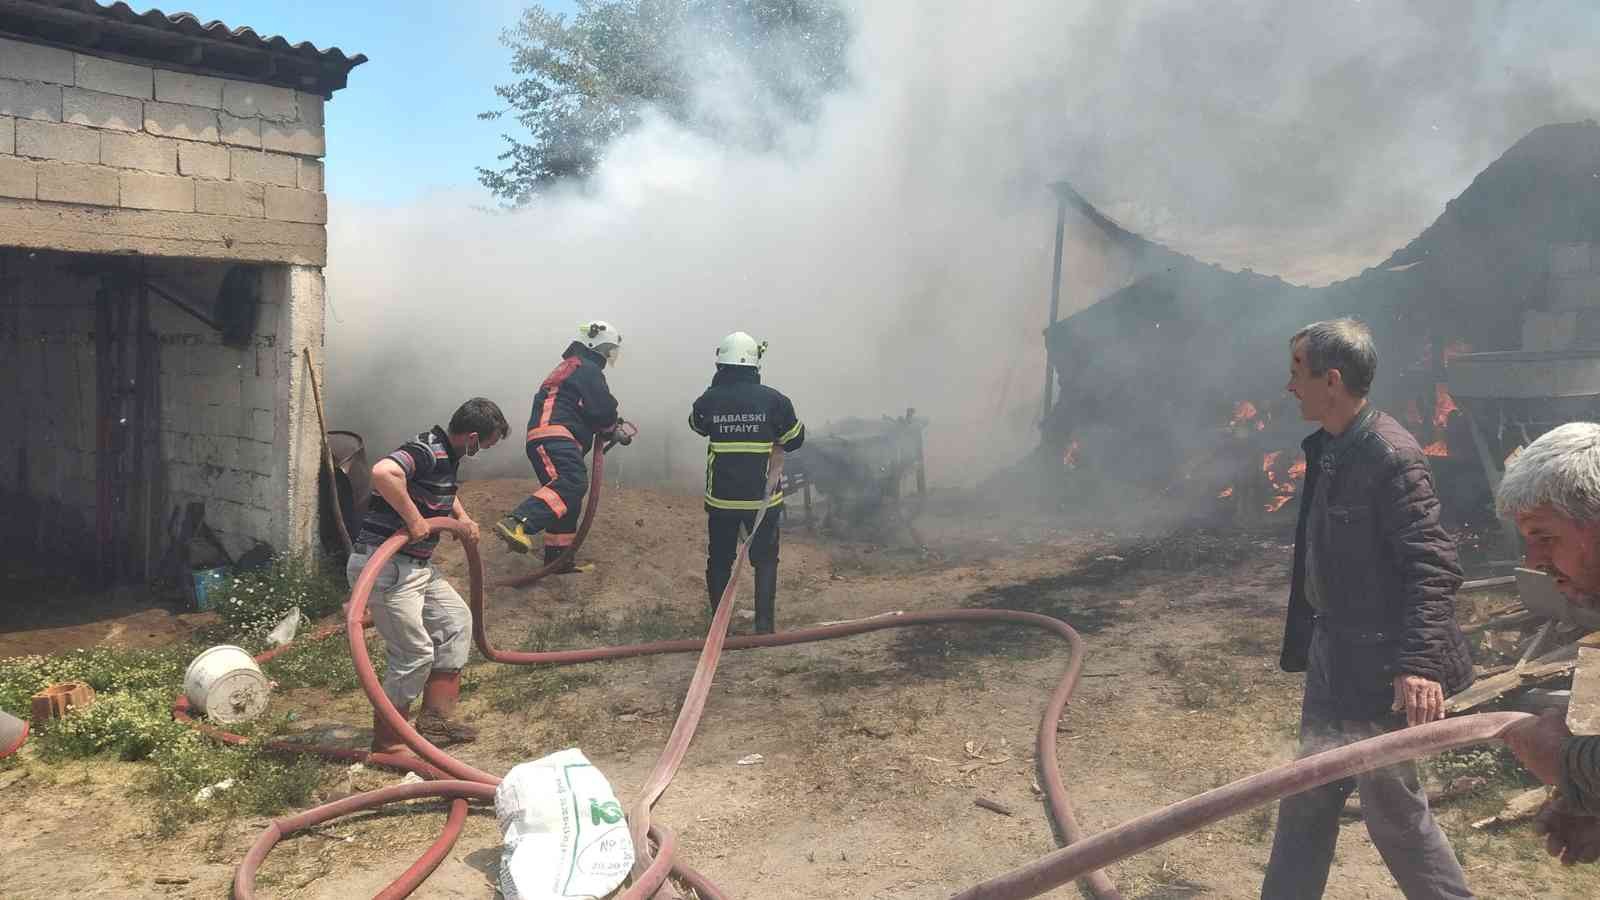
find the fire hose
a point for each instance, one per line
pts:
(1082, 857)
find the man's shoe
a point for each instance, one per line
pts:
(443, 732)
(517, 539)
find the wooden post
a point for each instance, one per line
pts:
(327, 454)
(1055, 296)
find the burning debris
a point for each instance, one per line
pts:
(861, 467)
(1177, 378)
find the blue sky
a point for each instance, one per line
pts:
(407, 124)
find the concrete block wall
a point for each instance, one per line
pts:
(97, 132)
(218, 440)
(238, 428)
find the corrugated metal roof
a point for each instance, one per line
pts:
(74, 23)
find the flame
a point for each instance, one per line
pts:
(1070, 457)
(1298, 470)
(1226, 493)
(1244, 411)
(1269, 461)
(1277, 503)
(1437, 448)
(1443, 405)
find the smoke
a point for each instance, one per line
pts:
(896, 250)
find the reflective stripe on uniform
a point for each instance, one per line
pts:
(740, 447)
(551, 539)
(550, 431)
(548, 495)
(792, 433)
(715, 503)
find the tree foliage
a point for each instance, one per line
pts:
(735, 70)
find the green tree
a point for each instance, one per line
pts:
(735, 70)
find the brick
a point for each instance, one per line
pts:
(261, 426)
(190, 90)
(240, 132)
(30, 100)
(293, 137)
(8, 135)
(311, 175)
(61, 182)
(264, 101)
(204, 160)
(311, 108)
(260, 392)
(189, 123)
(291, 205)
(19, 178)
(225, 390)
(265, 168)
(101, 110)
(230, 198)
(110, 77)
(32, 62)
(139, 151)
(50, 140)
(256, 523)
(142, 190)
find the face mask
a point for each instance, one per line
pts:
(473, 444)
(614, 355)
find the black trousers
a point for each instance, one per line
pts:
(724, 528)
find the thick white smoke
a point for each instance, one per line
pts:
(897, 251)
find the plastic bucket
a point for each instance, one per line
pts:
(13, 731)
(226, 685)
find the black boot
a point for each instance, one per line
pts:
(551, 554)
(766, 597)
(716, 583)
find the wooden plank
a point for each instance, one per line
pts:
(1583, 712)
(1552, 665)
(1516, 620)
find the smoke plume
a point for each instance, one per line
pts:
(896, 250)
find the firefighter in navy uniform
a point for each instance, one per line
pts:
(744, 419)
(572, 406)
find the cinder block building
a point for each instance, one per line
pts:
(162, 241)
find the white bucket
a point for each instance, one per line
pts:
(226, 685)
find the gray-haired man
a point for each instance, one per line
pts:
(1552, 490)
(1371, 621)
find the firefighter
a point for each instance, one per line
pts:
(745, 420)
(572, 406)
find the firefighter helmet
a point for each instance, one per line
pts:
(740, 349)
(597, 334)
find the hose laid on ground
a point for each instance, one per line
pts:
(1082, 858)
(1153, 829)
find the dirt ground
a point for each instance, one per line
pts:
(874, 748)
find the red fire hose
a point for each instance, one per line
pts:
(1082, 858)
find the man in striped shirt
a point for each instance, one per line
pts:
(425, 625)
(1552, 490)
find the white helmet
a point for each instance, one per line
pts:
(597, 334)
(740, 349)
